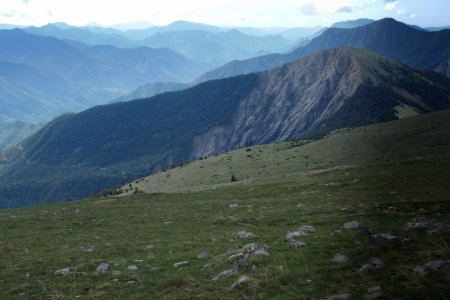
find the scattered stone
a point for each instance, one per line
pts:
(340, 258)
(226, 273)
(253, 248)
(299, 205)
(235, 256)
(132, 268)
(352, 225)
(297, 244)
(372, 265)
(102, 268)
(419, 271)
(233, 205)
(62, 272)
(261, 251)
(422, 223)
(303, 230)
(386, 237)
(150, 247)
(180, 264)
(116, 273)
(244, 234)
(241, 280)
(168, 222)
(341, 295)
(138, 261)
(418, 222)
(115, 280)
(88, 250)
(203, 255)
(435, 265)
(373, 292)
(344, 209)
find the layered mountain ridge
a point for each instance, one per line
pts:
(387, 37)
(77, 155)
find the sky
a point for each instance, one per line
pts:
(252, 13)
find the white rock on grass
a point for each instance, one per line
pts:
(241, 280)
(226, 273)
(62, 272)
(301, 231)
(203, 255)
(102, 268)
(297, 244)
(138, 261)
(341, 258)
(373, 292)
(132, 268)
(233, 205)
(373, 264)
(352, 225)
(180, 264)
(244, 234)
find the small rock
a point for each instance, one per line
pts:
(352, 225)
(341, 295)
(150, 246)
(138, 261)
(262, 252)
(235, 256)
(435, 265)
(132, 268)
(343, 209)
(373, 292)
(419, 271)
(116, 273)
(292, 234)
(203, 255)
(306, 229)
(89, 250)
(297, 244)
(374, 264)
(226, 273)
(380, 237)
(244, 234)
(303, 230)
(168, 222)
(241, 280)
(180, 264)
(233, 205)
(341, 258)
(62, 272)
(102, 268)
(299, 205)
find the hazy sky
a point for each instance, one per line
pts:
(257, 13)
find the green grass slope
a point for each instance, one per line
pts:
(382, 176)
(417, 138)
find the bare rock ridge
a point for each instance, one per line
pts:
(81, 154)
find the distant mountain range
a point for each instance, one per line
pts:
(387, 37)
(80, 154)
(48, 76)
(215, 49)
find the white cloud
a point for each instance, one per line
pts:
(308, 9)
(390, 5)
